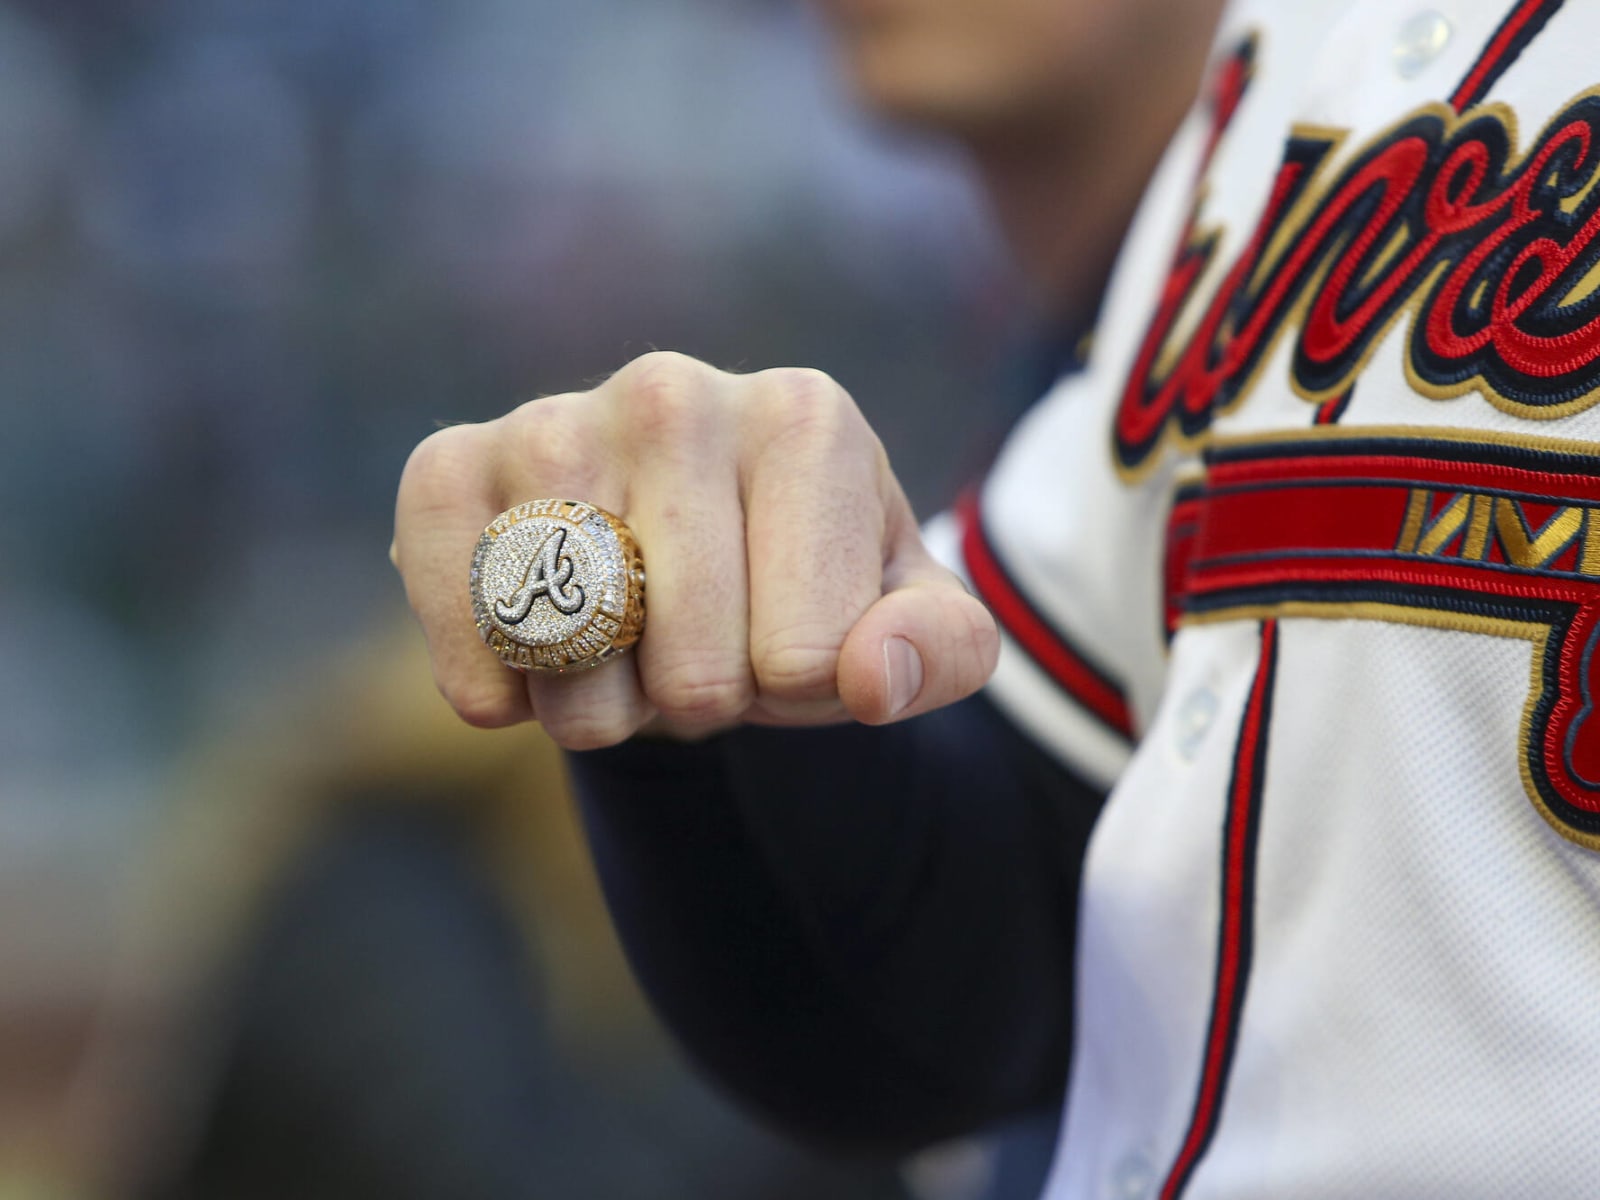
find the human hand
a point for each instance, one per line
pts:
(787, 582)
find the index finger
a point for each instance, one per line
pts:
(815, 534)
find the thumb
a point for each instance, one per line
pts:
(925, 643)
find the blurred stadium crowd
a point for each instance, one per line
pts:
(250, 251)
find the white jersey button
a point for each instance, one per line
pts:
(1422, 39)
(1192, 722)
(1133, 1178)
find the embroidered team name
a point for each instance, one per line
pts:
(1497, 538)
(1496, 252)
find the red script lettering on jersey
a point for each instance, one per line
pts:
(1496, 252)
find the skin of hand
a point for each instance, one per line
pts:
(787, 582)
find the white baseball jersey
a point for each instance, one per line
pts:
(1307, 564)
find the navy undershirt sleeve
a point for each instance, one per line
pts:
(864, 933)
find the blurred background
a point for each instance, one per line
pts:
(252, 251)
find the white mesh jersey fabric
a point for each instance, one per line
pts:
(1416, 1018)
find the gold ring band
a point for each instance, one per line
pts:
(557, 585)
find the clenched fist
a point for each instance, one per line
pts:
(787, 582)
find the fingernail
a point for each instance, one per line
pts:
(902, 670)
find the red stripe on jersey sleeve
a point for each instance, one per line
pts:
(1055, 654)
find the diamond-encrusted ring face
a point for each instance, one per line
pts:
(557, 585)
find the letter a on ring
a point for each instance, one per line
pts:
(549, 572)
(557, 585)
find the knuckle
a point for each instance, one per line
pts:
(970, 645)
(804, 411)
(550, 443)
(796, 670)
(661, 363)
(541, 428)
(666, 399)
(698, 693)
(984, 642)
(804, 397)
(805, 385)
(442, 458)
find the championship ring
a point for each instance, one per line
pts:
(557, 585)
